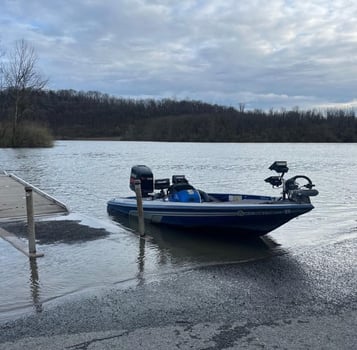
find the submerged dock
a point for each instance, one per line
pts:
(13, 200)
(13, 206)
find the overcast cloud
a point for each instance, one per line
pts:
(266, 54)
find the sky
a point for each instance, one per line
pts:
(263, 54)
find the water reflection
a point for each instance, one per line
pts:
(141, 261)
(186, 248)
(35, 285)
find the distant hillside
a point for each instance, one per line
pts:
(71, 114)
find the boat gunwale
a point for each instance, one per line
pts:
(130, 202)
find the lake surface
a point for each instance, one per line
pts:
(86, 174)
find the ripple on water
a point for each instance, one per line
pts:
(85, 174)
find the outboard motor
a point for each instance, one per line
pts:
(145, 175)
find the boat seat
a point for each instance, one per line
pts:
(183, 192)
(205, 197)
(180, 187)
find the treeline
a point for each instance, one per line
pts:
(71, 114)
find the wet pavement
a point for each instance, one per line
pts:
(82, 253)
(299, 300)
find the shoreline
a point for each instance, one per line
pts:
(301, 300)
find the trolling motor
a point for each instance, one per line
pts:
(292, 190)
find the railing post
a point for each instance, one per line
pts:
(30, 221)
(139, 204)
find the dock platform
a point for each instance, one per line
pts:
(13, 207)
(13, 200)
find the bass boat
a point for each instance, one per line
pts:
(178, 203)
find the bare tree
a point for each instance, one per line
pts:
(21, 77)
(241, 107)
(2, 53)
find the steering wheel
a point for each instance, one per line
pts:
(292, 184)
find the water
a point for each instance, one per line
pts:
(85, 174)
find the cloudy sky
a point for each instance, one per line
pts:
(265, 54)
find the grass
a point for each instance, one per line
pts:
(28, 134)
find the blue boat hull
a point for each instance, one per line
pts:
(253, 219)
